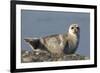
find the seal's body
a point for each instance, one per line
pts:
(66, 43)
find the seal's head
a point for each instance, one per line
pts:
(74, 29)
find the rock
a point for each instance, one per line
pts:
(44, 56)
(26, 56)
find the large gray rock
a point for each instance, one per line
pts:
(44, 56)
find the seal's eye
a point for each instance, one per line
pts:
(72, 27)
(77, 27)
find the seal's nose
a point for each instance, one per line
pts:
(76, 30)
